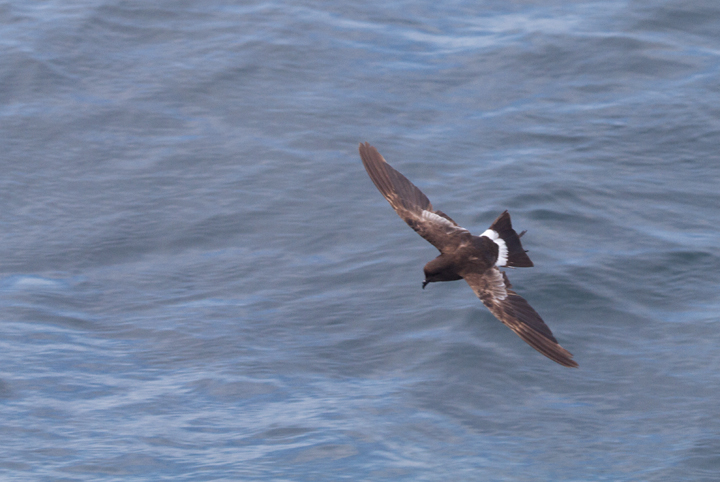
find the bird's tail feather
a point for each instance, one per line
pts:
(516, 255)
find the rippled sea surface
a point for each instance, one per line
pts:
(198, 280)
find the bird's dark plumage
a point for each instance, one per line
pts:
(463, 256)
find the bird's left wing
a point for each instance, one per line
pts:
(494, 289)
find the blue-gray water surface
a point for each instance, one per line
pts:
(198, 280)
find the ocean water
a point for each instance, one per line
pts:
(198, 280)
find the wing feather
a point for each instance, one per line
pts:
(494, 289)
(408, 201)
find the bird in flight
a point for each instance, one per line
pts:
(476, 259)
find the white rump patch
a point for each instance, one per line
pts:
(502, 247)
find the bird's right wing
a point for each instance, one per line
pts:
(408, 201)
(494, 289)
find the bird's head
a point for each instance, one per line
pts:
(431, 274)
(440, 269)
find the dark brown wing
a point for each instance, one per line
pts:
(409, 202)
(493, 288)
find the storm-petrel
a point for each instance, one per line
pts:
(463, 256)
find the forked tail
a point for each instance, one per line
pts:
(510, 250)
